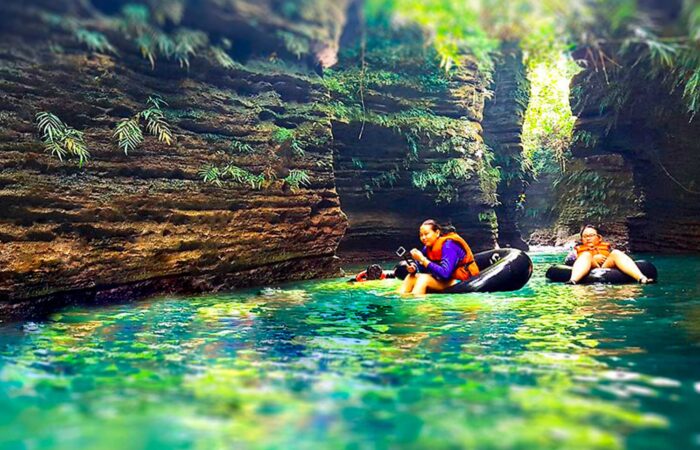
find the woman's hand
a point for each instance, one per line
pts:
(418, 256)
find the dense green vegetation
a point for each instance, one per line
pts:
(618, 38)
(548, 125)
(142, 25)
(478, 29)
(393, 64)
(153, 30)
(453, 27)
(625, 44)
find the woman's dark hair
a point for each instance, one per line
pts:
(588, 225)
(374, 272)
(443, 229)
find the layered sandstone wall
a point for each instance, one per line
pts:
(143, 223)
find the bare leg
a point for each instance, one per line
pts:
(407, 285)
(426, 281)
(625, 264)
(582, 266)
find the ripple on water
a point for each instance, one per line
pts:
(327, 364)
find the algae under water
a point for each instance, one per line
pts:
(327, 364)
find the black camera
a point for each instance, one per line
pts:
(401, 269)
(402, 253)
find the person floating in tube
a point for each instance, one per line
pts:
(593, 252)
(445, 260)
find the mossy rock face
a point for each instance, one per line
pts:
(148, 219)
(503, 124)
(646, 122)
(408, 142)
(598, 190)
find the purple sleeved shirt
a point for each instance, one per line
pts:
(452, 254)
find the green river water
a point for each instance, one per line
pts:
(327, 364)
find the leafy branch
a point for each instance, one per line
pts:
(242, 177)
(155, 120)
(95, 41)
(211, 174)
(236, 175)
(222, 58)
(297, 178)
(167, 10)
(129, 133)
(241, 147)
(60, 139)
(287, 138)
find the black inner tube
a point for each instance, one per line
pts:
(502, 270)
(562, 273)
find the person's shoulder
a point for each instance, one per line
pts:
(452, 244)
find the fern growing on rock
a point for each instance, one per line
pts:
(155, 120)
(210, 174)
(235, 174)
(129, 132)
(241, 147)
(60, 139)
(222, 58)
(297, 178)
(242, 177)
(286, 138)
(181, 45)
(135, 14)
(442, 177)
(188, 43)
(95, 41)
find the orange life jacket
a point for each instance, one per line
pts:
(603, 248)
(466, 268)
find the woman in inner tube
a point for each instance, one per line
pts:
(593, 252)
(446, 260)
